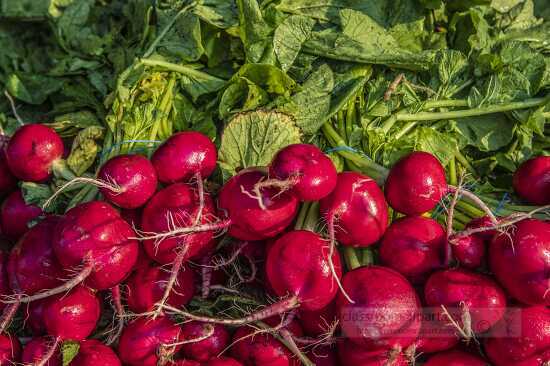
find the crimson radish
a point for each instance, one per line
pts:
(222, 361)
(41, 351)
(355, 210)
(10, 350)
(520, 261)
(33, 151)
(470, 249)
(318, 322)
(149, 342)
(386, 309)
(183, 363)
(521, 338)
(72, 316)
(470, 301)
(183, 156)
(95, 353)
(350, 354)
(436, 334)
(248, 221)
(414, 246)
(455, 358)
(215, 340)
(532, 180)
(147, 285)
(15, 215)
(8, 182)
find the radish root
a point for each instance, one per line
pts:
(281, 185)
(332, 240)
(8, 314)
(118, 317)
(109, 185)
(44, 361)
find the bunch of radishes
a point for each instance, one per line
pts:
(153, 236)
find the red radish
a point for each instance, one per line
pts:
(15, 215)
(34, 317)
(175, 207)
(323, 356)
(386, 311)
(133, 177)
(482, 222)
(32, 265)
(146, 287)
(298, 264)
(304, 169)
(520, 261)
(33, 151)
(414, 246)
(149, 342)
(521, 338)
(532, 180)
(41, 350)
(183, 363)
(356, 210)
(10, 350)
(183, 156)
(455, 358)
(72, 316)
(436, 334)
(318, 322)
(222, 361)
(95, 353)
(459, 294)
(350, 354)
(132, 217)
(8, 182)
(263, 349)
(248, 221)
(216, 339)
(469, 251)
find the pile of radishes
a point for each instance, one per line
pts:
(146, 248)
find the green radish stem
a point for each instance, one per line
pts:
(351, 257)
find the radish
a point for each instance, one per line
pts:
(183, 156)
(15, 215)
(355, 210)
(262, 349)
(302, 169)
(72, 316)
(183, 363)
(298, 264)
(34, 317)
(216, 339)
(94, 353)
(521, 338)
(436, 334)
(41, 351)
(10, 350)
(149, 342)
(246, 219)
(147, 285)
(532, 180)
(350, 354)
(470, 301)
(8, 182)
(414, 246)
(386, 311)
(33, 151)
(222, 361)
(132, 217)
(318, 322)
(519, 260)
(470, 249)
(455, 358)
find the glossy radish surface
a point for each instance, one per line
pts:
(414, 246)
(134, 175)
(248, 220)
(357, 208)
(297, 264)
(521, 338)
(94, 234)
(10, 350)
(532, 180)
(147, 284)
(32, 151)
(36, 351)
(351, 354)
(216, 339)
(416, 183)
(520, 261)
(72, 316)
(455, 358)
(460, 292)
(176, 206)
(184, 155)
(144, 341)
(15, 215)
(386, 309)
(313, 171)
(95, 353)
(32, 265)
(436, 334)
